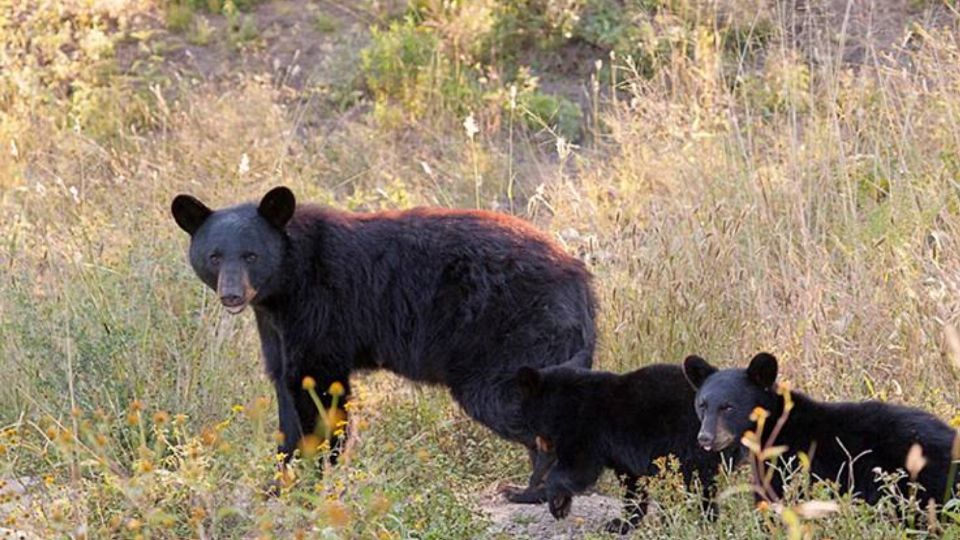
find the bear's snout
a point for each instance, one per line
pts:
(233, 287)
(714, 435)
(705, 440)
(232, 300)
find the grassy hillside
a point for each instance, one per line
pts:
(740, 175)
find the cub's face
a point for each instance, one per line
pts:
(237, 251)
(726, 398)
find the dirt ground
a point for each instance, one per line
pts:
(589, 514)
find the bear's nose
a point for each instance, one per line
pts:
(705, 440)
(231, 300)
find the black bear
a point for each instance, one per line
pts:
(592, 420)
(879, 435)
(448, 297)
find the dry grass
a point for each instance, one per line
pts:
(770, 197)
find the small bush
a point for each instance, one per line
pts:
(325, 24)
(556, 113)
(396, 60)
(179, 17)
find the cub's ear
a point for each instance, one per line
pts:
(697, 370)
(277, 206)
(528, 379)
(763, 370)
(189, 212)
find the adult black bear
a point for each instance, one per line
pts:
(593, 420)
(878, 434)
(449, 297)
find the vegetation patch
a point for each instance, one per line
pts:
(735, 180)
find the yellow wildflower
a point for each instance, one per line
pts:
(336, 389)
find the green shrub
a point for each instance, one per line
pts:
(179, 17)
(557, 113)
(396, 58)
(406, 65)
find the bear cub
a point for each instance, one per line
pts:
(879, 434)
(593, 420)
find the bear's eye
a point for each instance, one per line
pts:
(725, 408)
(215, 259)
(250, 257)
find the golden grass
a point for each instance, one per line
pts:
(788, 202)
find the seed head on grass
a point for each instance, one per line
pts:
(379, 505)
(309, 446)
(161, 418)
(259, 405)
(470, 126)
(209, 437)
(759, 414)
(783, 389)
(337, 514)
(197, 515)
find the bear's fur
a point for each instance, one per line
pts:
(878, 435)
(449, 297)
(593, 420)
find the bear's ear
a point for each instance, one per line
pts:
(697, 370)
(189, 212)
(528, 379)
(763, 370)
(277, 206)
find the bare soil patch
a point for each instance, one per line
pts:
(588, 516)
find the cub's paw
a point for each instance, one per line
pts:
(560, 506)
(618, 526)
(527, 495)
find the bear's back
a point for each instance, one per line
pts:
(437, 236)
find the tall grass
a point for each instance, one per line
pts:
(732, 190)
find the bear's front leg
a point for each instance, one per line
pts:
(560, 504)
(567, 478)
(290, 429)
(541, 460)
(274, 361)
(634, 506)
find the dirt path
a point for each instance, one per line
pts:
(588, 516)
